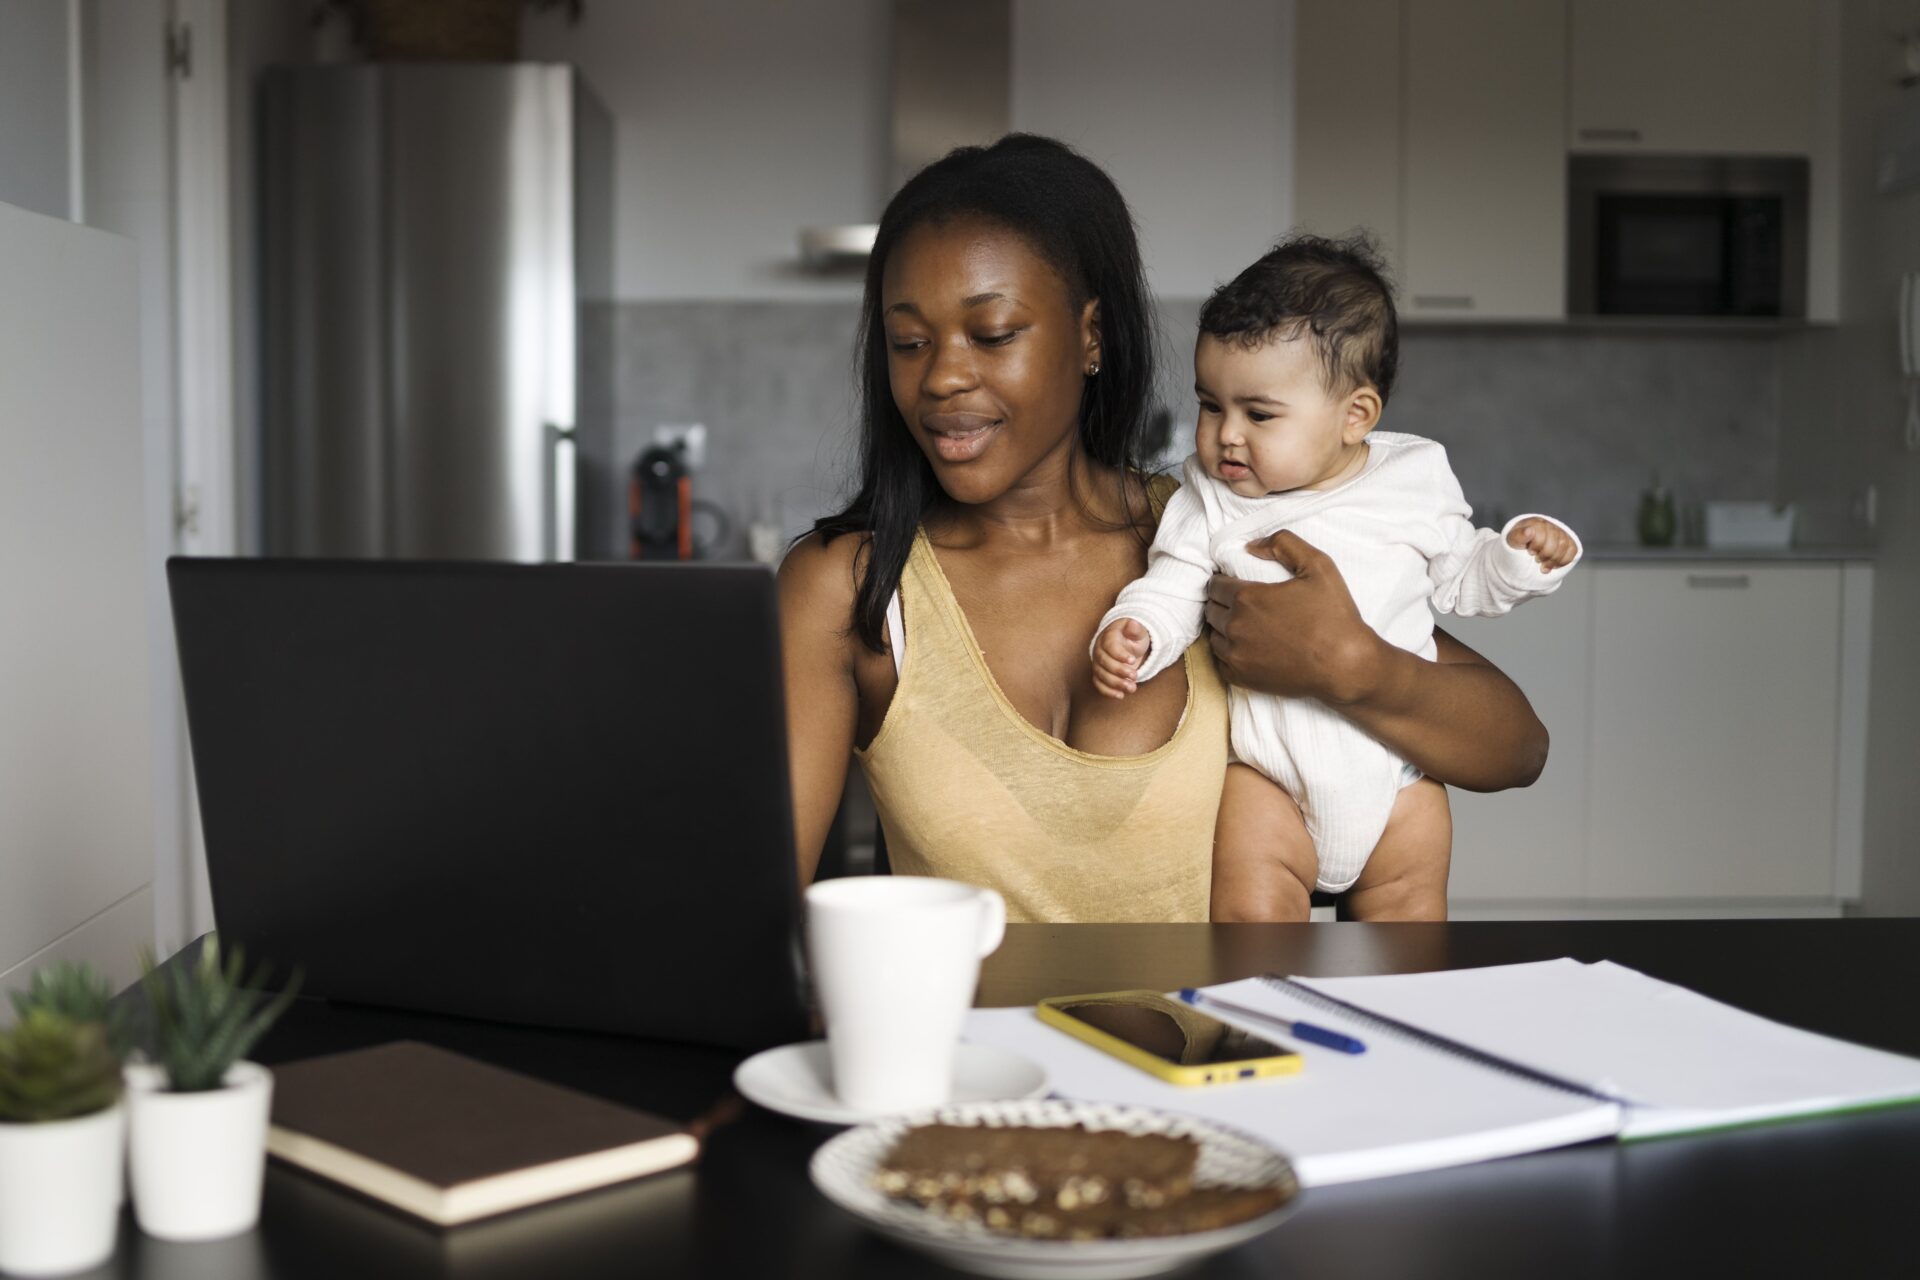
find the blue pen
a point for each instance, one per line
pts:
(1304, 1031)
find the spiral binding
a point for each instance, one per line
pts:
(1435, 1041)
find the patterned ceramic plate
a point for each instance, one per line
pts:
(843, 1170)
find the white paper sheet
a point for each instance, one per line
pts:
(1682, 1060)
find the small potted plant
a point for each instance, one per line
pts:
(79, 992)
(62, 1144)
(198, 1110)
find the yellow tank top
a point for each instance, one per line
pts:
(968, 789)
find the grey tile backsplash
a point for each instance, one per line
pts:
(1571, 422)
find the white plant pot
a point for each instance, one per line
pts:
(197, 1159)
(60, 1192)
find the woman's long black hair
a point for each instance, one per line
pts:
(1068, 209)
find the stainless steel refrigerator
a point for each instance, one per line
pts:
(429, 235)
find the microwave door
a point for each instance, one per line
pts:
(1663, 255)
(1754, 251)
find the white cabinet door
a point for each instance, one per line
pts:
(1715, 712)
(1184, 105)
(1346, 119)
(78, 713)
(1486, 165)
(1531, 844)
(1712, 77)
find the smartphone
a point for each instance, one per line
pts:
(1172, 1040)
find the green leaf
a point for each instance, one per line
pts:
(207, 1015)
(78, 992)
(53, 1067)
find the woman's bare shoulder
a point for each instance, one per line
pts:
(820, 577)
(822, 565)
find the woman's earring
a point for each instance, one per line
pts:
(1093, 368)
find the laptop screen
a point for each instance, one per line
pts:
(550, 794)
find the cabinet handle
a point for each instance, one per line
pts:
(1449, 301)
(1609, 135)
(1719, 581)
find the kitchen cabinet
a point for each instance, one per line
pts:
(1704, 77)
(1715, 731)
(1531, 844)
(82, 723)
(1708, 728)
(1438, 126)
(1485, 230)
(1347, 95)
(1185, 105)
(1444, 127)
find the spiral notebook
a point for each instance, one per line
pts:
(1473, 1064)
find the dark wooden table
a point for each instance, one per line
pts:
(1825, 1197)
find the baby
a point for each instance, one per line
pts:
(1294, 363)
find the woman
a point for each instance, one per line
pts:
(937, 629)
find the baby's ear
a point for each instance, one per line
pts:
(1363, 414)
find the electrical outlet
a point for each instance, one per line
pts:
(688, 437)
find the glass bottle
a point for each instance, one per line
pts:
(1656, 522)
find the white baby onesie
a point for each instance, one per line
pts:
(1400, 534)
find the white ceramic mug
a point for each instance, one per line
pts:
(895, 960)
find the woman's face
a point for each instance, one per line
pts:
(986, 353)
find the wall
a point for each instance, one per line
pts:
(1845, 434)
(1571, 423)
(776, 115)
(76, 792)
(1188, 106)
(1576, 423)
(734, 126)
(36, 108)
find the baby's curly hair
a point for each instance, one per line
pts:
(1334, 290)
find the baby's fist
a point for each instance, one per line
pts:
(1551, 545)
(1117, 656)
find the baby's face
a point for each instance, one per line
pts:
(1268, 423)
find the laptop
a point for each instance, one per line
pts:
(552, 795)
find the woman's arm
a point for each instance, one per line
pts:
(1458, 719)
(816, 606)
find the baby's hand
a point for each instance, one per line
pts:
(1117, 656)
(1549, 543)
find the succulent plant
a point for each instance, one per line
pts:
(205, 1017)
(53, 1067)
(79, 992)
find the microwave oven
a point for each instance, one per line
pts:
(1707, 236)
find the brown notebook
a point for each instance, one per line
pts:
(450, 1139)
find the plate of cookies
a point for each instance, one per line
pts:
(1045, 1187)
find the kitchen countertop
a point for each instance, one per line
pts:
(1681, 555)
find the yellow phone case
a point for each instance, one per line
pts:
(1190, 1021)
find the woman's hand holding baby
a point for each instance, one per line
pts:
(1551, 546)
(1117, 656)
(1303, 638)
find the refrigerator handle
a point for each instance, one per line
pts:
(562, 480)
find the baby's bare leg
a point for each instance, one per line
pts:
(1264, 864)
(1406, 878)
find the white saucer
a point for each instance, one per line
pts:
(797, 1080)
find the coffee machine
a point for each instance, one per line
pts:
(660, 505)
(661, 508)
